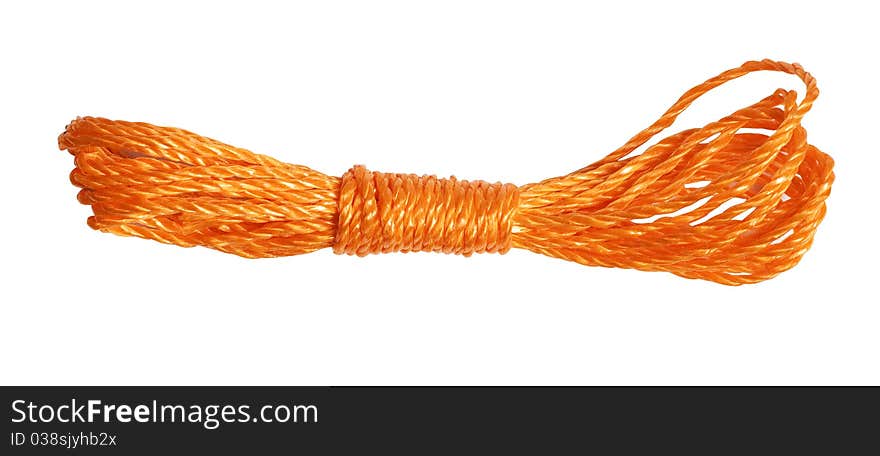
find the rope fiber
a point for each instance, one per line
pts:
(715, 203)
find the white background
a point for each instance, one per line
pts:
(510, 91)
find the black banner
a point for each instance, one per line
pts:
(330, 420)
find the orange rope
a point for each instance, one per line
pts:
(714, 203)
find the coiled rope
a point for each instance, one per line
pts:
(714, 203)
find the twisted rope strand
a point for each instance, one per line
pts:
(714, 203)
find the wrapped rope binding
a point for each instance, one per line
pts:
(715, 203)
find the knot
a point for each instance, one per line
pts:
(386, 212)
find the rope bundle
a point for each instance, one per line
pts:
(714, 203)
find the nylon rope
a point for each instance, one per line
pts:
(715, 203)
